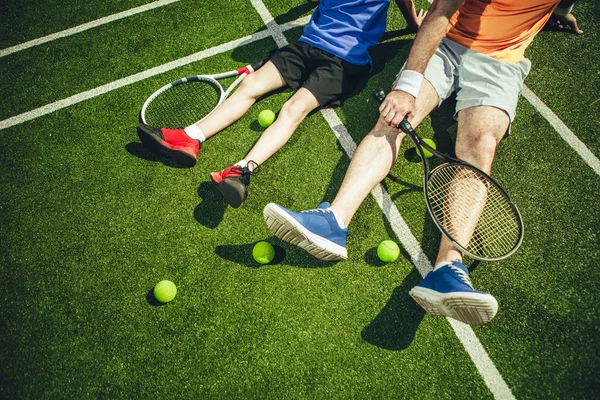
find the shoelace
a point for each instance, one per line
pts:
(245, 172)
(461, 274)
(315, 210)
(322, 211)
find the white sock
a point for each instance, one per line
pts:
(243, 163)
(195, 133)
(337, 219)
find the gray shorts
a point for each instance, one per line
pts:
(477, 79)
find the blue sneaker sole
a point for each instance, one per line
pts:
(470, 308)
(288, 229)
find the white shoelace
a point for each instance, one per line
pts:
(462, 275)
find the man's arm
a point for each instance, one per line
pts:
(400, 103)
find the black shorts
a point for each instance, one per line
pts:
(329, 78)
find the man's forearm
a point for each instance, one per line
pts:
(431, 33)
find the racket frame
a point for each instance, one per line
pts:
(213, 79)
(420, 144)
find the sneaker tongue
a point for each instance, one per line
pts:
(324, 204)
(461, 266)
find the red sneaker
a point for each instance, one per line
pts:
(173, 143)
(233, 183)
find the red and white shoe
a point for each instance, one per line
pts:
(233, 183)
(173, 143)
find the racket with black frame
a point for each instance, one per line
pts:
(469, 207)
(189, 100)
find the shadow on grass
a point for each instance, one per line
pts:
(138, 150)
(152, 300)
(395, 326)
(242, 254)
(210, 211)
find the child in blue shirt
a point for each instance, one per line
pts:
(328, 63)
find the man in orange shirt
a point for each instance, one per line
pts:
(474, 48)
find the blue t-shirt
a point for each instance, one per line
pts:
(347, 28)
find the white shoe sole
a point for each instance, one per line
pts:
(288, 229)
(470, 308)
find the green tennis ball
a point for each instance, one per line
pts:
(431, 144)
(388, 251)
(165, 291)
(266, 118)
(263, 252)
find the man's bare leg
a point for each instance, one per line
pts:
(480, 130)
(375, 156)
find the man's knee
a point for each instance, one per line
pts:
(382, 128)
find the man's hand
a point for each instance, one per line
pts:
(396, 106)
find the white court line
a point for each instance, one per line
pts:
(563, 130)
(60, 104)
(84, 27)
(77, 98)
(483, 363)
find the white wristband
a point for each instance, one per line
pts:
(563, 11)
(409, 82)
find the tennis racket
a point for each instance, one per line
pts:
(469, 207)
(189, 100)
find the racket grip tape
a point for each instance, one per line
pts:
(248, 69)
(379, 95)
(407, 127)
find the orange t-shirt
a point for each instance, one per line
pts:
(501, 29)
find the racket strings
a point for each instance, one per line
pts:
(183, 105)
(473, 210)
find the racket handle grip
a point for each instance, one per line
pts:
(379, 95)
(406, 127)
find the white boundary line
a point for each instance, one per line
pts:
(490, 374)
(69, 101)
(77, 98)
(563, 130)
(84, 27)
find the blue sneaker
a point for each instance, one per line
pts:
(315, 231)
(448, 292)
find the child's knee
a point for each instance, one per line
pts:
(295, 110)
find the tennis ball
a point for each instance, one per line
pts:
(266, 118)
(263, 252)
(431, 144)
(165, 291)
(388, 251)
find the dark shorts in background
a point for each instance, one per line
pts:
(329, 78)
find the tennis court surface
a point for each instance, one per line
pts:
(91, 221)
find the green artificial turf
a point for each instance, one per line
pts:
(91, 221)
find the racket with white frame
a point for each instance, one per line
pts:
(469, 207)
(189, 100)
